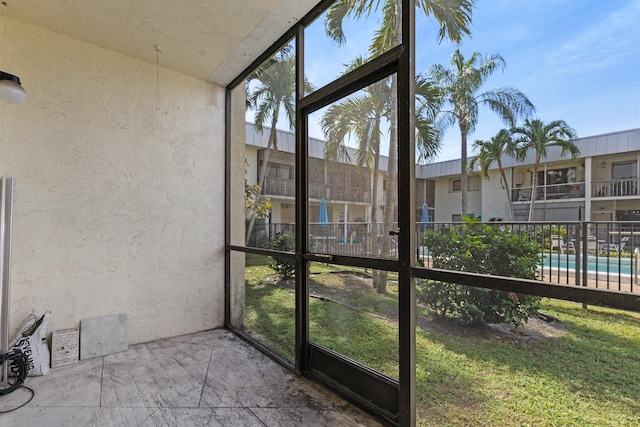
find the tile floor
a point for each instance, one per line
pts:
(209, 378)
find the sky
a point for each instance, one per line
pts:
(578, 61)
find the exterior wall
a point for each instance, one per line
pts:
(119, 206)
(238, 154)
(474, 200)
(602, 165)
(251, 166)
(495, 203)
(447, 204)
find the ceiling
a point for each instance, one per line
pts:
(211, 40)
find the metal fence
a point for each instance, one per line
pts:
(340, 238)
(602, 255)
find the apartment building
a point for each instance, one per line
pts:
(600, 184)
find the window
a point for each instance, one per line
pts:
(557, 176)
(473, 184)
(277, 170)
(624, 170)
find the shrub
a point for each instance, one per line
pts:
(282, 266)
(478, 248)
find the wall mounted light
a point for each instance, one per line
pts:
(10, 89)
(603, 165)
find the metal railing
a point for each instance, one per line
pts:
(600, 254)
(571, 190)
(616, 188)
(287, 188)
(581, 253)
(339, 238)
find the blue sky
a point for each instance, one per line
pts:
(576, 60)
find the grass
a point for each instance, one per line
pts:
(590, 376)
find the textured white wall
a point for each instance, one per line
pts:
(495, 203)
(119, 206)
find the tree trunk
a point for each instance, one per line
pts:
(273, 143)
(534, 186)
(463, 167)
(380, 281)
(507, 189)
(373, 240)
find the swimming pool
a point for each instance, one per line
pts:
(600, 264)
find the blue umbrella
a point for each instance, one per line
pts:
(324, 217)
(425, 213)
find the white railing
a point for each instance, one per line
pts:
(616, 188)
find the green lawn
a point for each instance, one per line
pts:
(590, 376)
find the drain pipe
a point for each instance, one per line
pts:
(6, 211)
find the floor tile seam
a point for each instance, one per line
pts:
(320, 407)
(255, 415)
(151, 414)
(185, 342)
(206, 375)
(152, 407)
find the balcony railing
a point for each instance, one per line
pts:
(287, 188)
(617, 188)
(570, 190)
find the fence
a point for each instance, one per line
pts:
(343, 238)
(594, 254)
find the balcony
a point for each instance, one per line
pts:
(616, 188)
(571, 190)
(287, 188)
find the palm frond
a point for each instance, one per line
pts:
(454, 17)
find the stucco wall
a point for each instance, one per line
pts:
(448, 203)
(119, 205)
(495, 203)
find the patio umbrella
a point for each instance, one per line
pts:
(425, 214)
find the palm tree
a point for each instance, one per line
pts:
(493, 151)
(360, 116)
(454, 18)
(460, 85)
(270, 88)
(539, 136)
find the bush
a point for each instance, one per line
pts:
(487, 249)
(284, 267)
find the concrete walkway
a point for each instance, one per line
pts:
(210, 378)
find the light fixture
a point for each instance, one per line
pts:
(603, 165)
(10, 89)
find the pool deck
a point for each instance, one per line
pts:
(601, 280)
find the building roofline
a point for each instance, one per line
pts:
(595, 145)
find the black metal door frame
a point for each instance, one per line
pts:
(394, 400)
